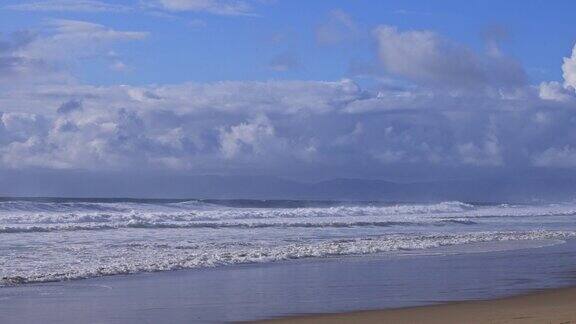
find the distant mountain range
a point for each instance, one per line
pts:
(81, 184)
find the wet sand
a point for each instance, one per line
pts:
(551, 306)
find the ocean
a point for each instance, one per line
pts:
(50, 240)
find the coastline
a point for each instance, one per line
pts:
(553, 306)
(253, 292)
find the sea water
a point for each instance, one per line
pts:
(43, 240)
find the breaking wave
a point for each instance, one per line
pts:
(135, 258)
(161, 225)
(51, 240)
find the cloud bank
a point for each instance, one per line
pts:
(457, 108)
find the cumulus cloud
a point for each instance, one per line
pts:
(427, 58)
(569, 70)
(279, 125)
(554, 90)
(286, 126)
(179, 126)
(255, 137)
(69, 5)
(566, 92)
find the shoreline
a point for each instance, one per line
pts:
(338, 287)
(555, 305)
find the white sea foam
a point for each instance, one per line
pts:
(225, 225)
(134, 258)
(47, 241)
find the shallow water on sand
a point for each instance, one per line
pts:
(339, 284)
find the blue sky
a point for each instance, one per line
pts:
(287, 88)
(203, 46)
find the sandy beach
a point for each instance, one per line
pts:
(552, 306)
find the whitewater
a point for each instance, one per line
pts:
(44, 240)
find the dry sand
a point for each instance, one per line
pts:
(552, 306)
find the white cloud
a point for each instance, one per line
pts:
(45, 56)
(564, 157)
(249, 126)
(275, 124)
(281, 97)
(119, 66)
(339, 27)
(569, 70)
(13, 65)
(219, 7)
(69, 5)
(159, 8)
(253, 137)
(486, 153)
(411, 12)
(555, 91)
(425, 57)
(75, 39)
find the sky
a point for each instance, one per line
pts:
(289, 88)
